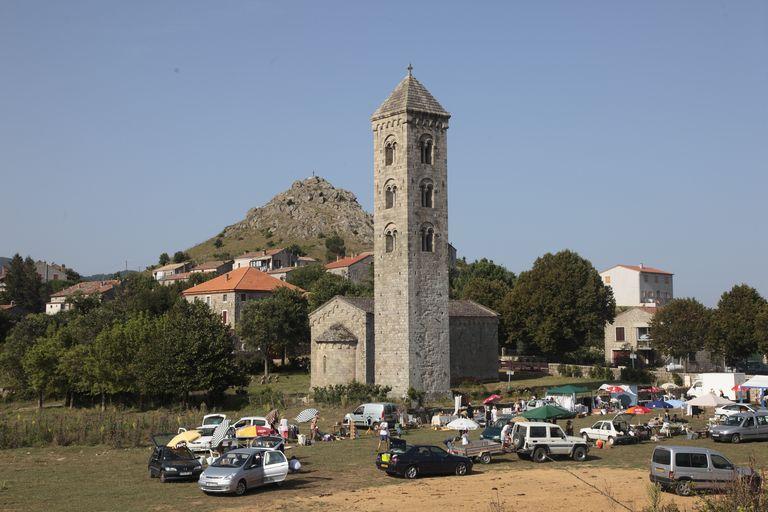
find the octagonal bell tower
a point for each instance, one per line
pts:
(412, 346)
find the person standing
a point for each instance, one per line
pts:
(465, 438)
(383, 435)
(313, 430)
(494, 414)
(504, 436)
(470, 411)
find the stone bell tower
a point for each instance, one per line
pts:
(412, 346)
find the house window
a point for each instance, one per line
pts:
(619, 334)
(390, 146)
(208, 300)
(427, 239)
(427, 193)
(224, 317)
(607, 279)
(426, 146)
(643, 333)
(254, 263)
(645, 277)
(325, 363)
(276, 264)
(656, 279)
(390, 238)
(666, 279)
(242, 297)
(224, 298)
(390, 195)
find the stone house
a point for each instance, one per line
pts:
(61, 300)
(639, 285)
(171, 269)
(212, 267)
(265, 260)
(50, 271)
(343, 342)
(356, 268)
(227, 294)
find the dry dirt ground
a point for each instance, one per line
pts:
(498, 491)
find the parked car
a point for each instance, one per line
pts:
(413, 461)
(172, 463)
(743, 426)
(730, 410)
(493, 430)
(369, 415)
(211, 424)
(244, 468)
(688, 468)
(261, 427)
(540, 441)
(615, 431)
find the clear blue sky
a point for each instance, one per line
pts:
(627, 131)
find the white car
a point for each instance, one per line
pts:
(248, 421)
(730, 410)
(608, 431)
(210, 424)
(540, 441)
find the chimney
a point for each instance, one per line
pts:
(641, 266)
(226, 276)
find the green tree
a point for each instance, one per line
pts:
(734, 335)
(41, 364)
(761, 326)
(296, 250)
(164, 259)
(334, 247)
(180, 257)
(72, 276)
(277, 322)
(680, 328)
(5, 326)
(327, 287)
(483, 268)
(23, 335)
(218, 243)
(490, 293)
(306, 276)
(23, 285)
(558, 305)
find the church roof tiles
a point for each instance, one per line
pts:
(409, 96)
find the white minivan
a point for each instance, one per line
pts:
(370, 415)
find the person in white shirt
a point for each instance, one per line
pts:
(504, 437)
(494, 414)
(294, 466)
(465, 438)
(383, 435)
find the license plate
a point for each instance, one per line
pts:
(384, 465)
(185, 473)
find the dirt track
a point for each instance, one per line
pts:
(528, 490)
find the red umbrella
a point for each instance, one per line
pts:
(738, 388)
(615, 389)
(491, 399)
(653, 389)
(638, 409)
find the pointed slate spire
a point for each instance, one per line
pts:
(410, 96)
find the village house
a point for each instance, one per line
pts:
(62, 300)
(227, 294)
(13, 310)
(270, 259)
(167, 271)
(211, 267)
(50, 271)
(638, 285)
(356, 268)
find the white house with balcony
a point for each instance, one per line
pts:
(630, 336)
(639, 285)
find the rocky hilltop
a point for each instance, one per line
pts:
(305, 214)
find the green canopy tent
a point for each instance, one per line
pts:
(568, 389)
(547, 412)
(568, 396)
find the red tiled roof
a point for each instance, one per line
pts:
(348, 261)
(638, 268)
(88, 288)
(245, 279)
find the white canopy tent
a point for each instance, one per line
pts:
(758, 381)
(709, 400)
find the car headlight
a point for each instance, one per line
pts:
(170, 469)
(227, 478)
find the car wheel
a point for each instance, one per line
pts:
(523, 456)
(539, 455)
(163, 478)
(683, 488)
(735, 438)
(611, 441)
(485, 458)
(461, 469)
(412, 472)
(241, 488)
(151, 473)
(585, 437)
(580, 454)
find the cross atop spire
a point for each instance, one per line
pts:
(410, 69)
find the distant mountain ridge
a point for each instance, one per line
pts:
(305, 214)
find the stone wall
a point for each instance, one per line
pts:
(474, 349)
(339, 363)
(230, 302)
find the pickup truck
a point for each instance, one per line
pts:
(481, 450)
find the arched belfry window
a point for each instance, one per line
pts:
(427, 147)
(427, 189)
(390, 194)
(427, 238)
(390, 238)
(390, 147)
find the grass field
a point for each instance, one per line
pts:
(88, 479)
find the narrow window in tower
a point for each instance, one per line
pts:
(427, 193)
(390, 239)
(427, 239)
(389, 152)
(390, 196)
(426, 145)
(325, 363)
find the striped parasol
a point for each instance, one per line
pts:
(271, 416)
(219, 433)
(306, 415)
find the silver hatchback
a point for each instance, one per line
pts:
(743, 426)
(239, 470)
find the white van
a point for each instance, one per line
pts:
(370, 415)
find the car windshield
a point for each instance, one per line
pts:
(230, 460)
(733, 421)
(215, 420)
(266, 442)
(181, 453)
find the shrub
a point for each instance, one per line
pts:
(600, 372)
(341, 394)
(677, 379)
(268, 398)
(636, 375)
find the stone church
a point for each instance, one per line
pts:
(410, 334)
